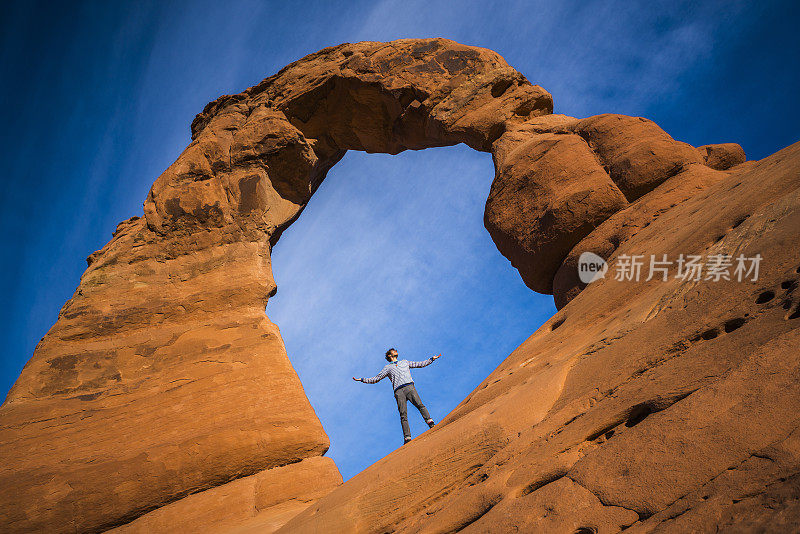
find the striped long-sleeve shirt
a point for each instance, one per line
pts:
(399, 372)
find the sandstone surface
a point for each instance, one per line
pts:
(257, 503)
(162, 376)
(660, 406)
(722, 156)
(163, 398)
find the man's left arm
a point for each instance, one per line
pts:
(424, 363)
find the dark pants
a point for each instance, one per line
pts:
(409, 392)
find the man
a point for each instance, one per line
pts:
(400, 375)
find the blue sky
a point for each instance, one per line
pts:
(98, 98)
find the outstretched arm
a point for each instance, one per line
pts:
(425, 362)
(375, 379)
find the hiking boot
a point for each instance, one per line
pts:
(407, 439)
(430, 423)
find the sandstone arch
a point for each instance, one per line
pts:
(173, 306)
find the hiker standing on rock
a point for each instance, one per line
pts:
(400, 374)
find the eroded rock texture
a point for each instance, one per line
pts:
(258, 503)
(162, 399)
(660, 406)
(162, 376)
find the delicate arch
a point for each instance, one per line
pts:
(173, 306)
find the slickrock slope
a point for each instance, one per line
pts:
(660, 406)
(257, 503)
(163, 387)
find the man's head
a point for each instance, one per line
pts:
(391, 355)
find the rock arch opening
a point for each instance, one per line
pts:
(392, 250)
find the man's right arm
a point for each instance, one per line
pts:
(377, 378)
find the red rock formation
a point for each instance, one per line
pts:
(660, 406)
(162, 376)
(558, 178)
(259, 503)
(638, 404)
(723, 156)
